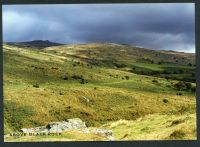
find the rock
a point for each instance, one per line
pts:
(77, 123)
(86, 130)
(70, 124)
(102, 132)
(34, 130)
(86, 99)
(57, 127)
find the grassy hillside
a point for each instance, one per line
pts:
(156, 127)
(150, 127)
(99, 83)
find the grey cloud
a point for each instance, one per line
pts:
(158, 26)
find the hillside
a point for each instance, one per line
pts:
(34, 44)
(99, 83)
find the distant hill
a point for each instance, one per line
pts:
(35, 44)
(125, 54)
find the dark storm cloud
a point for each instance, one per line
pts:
(158, 26)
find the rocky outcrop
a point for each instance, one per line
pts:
(41, 129)
(63, 126)
(57, 127)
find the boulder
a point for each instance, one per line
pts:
(57, 127)
(35, 130)
(77, 123)
(102, 132)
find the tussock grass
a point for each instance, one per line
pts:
(155, 127)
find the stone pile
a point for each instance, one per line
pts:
(70, 124)
(57, 127)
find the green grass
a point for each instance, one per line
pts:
(155, 127)
(66, 136)
(149, 127)
(112, 96)
(17, 116)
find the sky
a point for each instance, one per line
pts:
(155, 26)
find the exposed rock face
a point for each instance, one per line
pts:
(70, 124)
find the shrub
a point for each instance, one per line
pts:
(188, 86)
(165, 101)
(77, 77)
(65, 77)
(83, 81)
(56, 68)
(166, 72)
(126, 77)
(176, 122)
(193, 89)
(181, 71)
(36, 85)
(167, 78)
(180, 85)
(119, 65)
(193, 74)
(154, 72)
(169, 86)
(175, 72)
(179, 93)
(61, 93)
(184, 86)
(155, 81)
(177, 134)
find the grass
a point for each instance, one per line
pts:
(112, 96)
(149, 127)
(67, 136)
(17, 116)
(155, 127)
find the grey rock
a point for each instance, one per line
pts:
(70, 124)
(102, 132)
(77, 123)
(86, 130)
(58, 127)
(34, 130)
